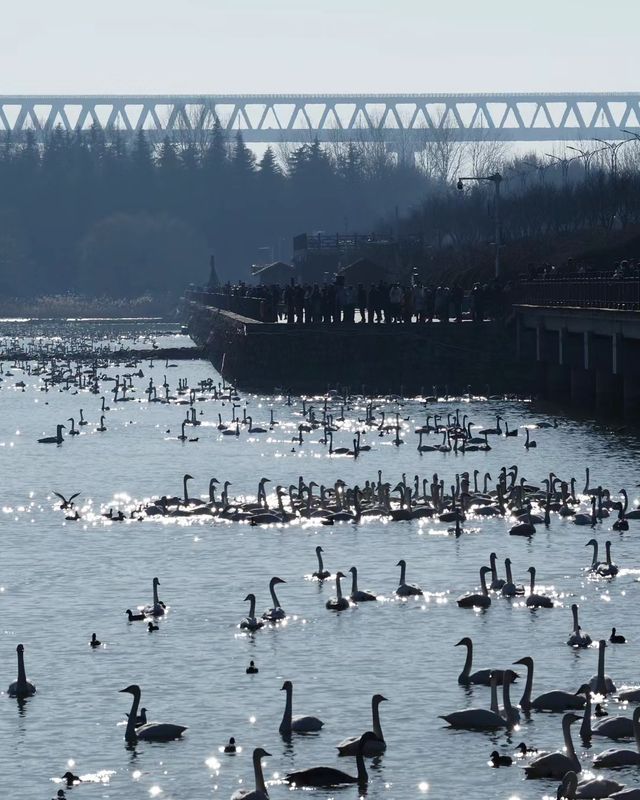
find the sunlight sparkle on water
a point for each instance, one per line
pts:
(154, 791)
(136, 775)
(423, 786)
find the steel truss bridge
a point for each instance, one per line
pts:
(408, 121)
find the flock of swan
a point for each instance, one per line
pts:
(460, 504)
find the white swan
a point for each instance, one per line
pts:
(358, 595)
(556, 700)
(157, 609)
(321, 573)
(608, 570)
(496, 582)
(577, 638)
(406, 589)
(622, 758)
(614, 728)
(338, 603)
(22, 687)
(260, 792)
(594, 561)
(323, 777)
(250, 622)
(481, 677)
(510, 589)
(476, 600)
(373, 747)
(150, 731)
(570, 789)
(476, 719)
(556, 765)
(537, 600)
(601, 683)
(275, 613)
(298, 724)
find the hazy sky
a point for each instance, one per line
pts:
(226, 46)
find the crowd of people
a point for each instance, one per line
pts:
(376, 303)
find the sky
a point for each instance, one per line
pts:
(308, 46)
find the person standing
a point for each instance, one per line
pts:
(362, 303)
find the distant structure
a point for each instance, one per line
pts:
(318, 257)
(402, 121)
(276, 273)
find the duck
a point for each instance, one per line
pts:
(555, 700)
(601, 683)
(230, 747)
(577, 638)
(22, 687)
(537, 600)
(260, 792)
(252, 669)
(500, 761)
(358, 595)
(250, 622)
(325, 777)
(95, 642)
(481, 677)
(134, 617)
(406, 589)
(276, 613)
(526, 751)
(151, 627)
(617, 638)
(621, 757)
(298, 724)
(321, 573)
(477, 719)
(556, 765)
(150, 731)
(373, 747)
(476, 600)
(338, 603)
(71, 779)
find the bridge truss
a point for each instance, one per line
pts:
(401, 121)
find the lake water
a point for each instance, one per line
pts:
(63, 580)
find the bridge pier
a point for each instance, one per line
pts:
(558, 384)
(583, 387)
(608, 392)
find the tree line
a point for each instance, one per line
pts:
(90, 214)
(86, 213)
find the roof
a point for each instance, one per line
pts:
(363, 271)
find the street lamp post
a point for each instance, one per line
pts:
(496, 180)
(587, 155)
(613, 148)
(564, 161)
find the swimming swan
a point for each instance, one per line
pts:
(358, 595)
(321, 573)
(577, 638)
(601, 683)
(298, 724)
(250, 622)
(622, 758)
(260, 792)
(275, 613)
(476, 719)
(373, 747)
(406, 589)
(22, 687)
(338, 603)
(481, 677)
(322, 777)
(477, 600)
(537, 600)
(556, 700)
(556, 765)
(151, 731)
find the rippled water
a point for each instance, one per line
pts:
(63, 580)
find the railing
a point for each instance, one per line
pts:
(591, 290)
(257, 308)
